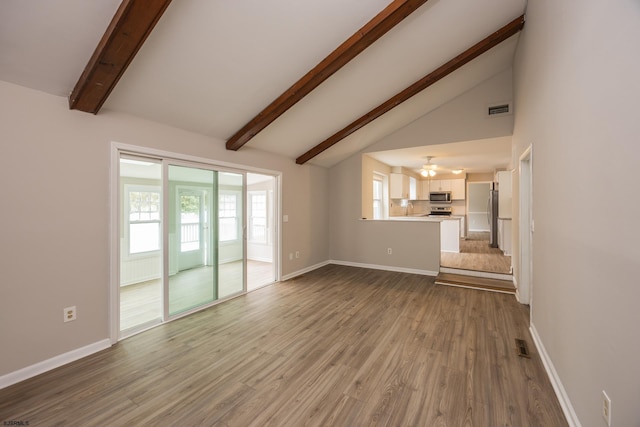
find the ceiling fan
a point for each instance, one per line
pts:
(428, 169)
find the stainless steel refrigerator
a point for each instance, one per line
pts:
(492, 217)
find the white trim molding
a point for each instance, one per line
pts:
(386, 268)
(304, 270)
(52, 363)
(360, 265)
(473, 273)
(561, 393)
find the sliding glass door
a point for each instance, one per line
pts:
(140, 238)
(231, 233)
(261, 230)
(192, 265)
(182, 239)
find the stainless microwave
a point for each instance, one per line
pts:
(440, 197)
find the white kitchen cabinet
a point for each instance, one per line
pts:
(399, 186)
(440, 185)
(504, 236)
(504, 194)
(449, 235)
(424, 195)
(458, 189)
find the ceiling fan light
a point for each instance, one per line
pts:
(456, 171)
(432, 173)
(424, 172)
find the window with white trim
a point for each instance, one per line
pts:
(378, 196)
(228, 217)
(258, 216)
(143, 218)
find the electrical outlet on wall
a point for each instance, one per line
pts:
(297, 254)
(69, 314)
(389, 251)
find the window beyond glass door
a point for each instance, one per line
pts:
(231, 258)
(140, 231)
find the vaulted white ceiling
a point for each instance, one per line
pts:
(210, 66)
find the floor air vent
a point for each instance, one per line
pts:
(522, 349)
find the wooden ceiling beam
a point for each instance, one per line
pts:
(384, 21)
(128, 30)
(473, 52)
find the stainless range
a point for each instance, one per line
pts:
(440, 211)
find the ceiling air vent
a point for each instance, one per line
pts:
(500, 109)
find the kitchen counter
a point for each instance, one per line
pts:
(415, 218)
(449, 229)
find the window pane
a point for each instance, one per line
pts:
(144, 237)
(259, 230)
(228, 229)
(377, 198)
(258, 218)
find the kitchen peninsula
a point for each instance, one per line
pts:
(449, 229)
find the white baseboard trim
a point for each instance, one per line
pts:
(472, 287)
(54, 362)
(561, 393)
(473, 273)
(303, 271)
(261, 259)
(386, 268)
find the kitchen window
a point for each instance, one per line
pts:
(378, 196)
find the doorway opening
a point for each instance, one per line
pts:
(476, 256)
(525, 265)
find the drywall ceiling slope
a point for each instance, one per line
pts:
(496, 61)
(210, 66)
(485, 155)
(46, 44)
(417, 46)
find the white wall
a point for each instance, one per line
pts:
(54, 233)
(577, 88)
(477, 198)
(461, 119)
(350, 236)
(415, 245)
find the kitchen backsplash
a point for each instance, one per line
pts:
(458, 207)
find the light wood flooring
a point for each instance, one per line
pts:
(141, 303)
(339, 346)
(475, 254)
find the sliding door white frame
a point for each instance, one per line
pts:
(179, 159)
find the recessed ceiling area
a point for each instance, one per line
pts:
(480, 156)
